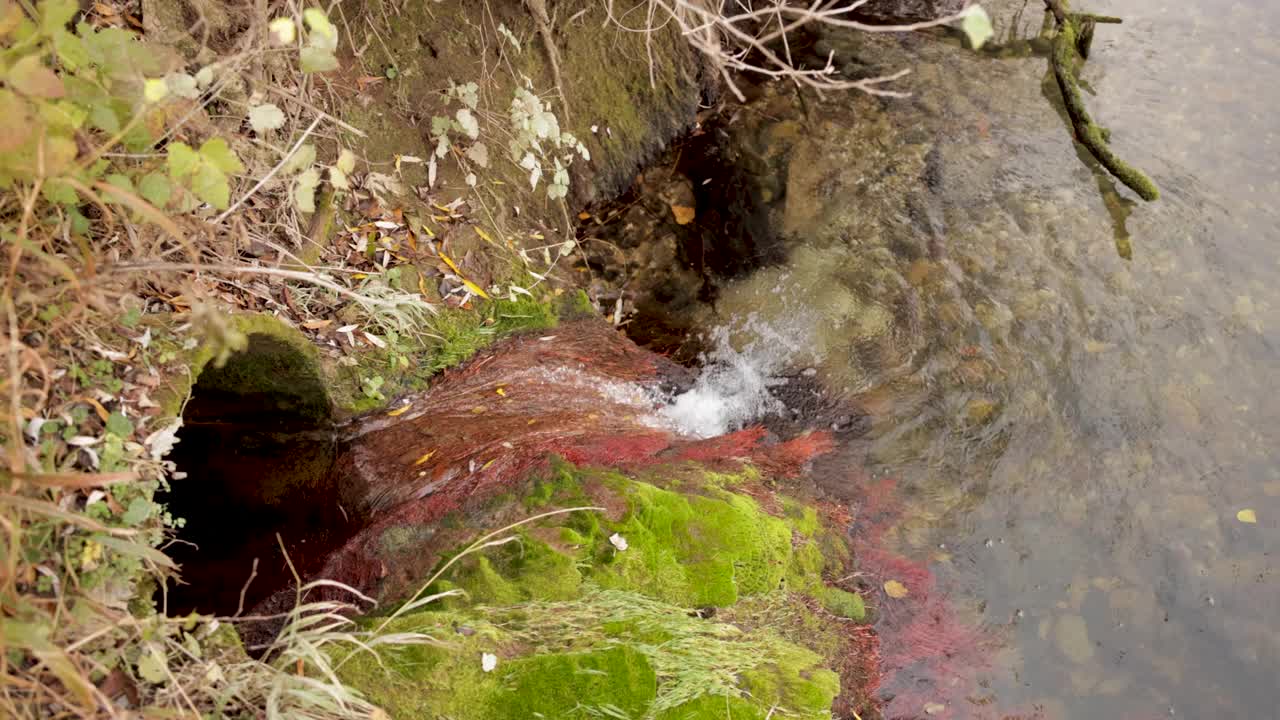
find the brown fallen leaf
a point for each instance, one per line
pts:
(683, 214)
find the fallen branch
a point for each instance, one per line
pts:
(1074, 37)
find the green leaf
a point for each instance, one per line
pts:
(304, 191)
(155, 189)
(55, 14)
(30, 77)
(70, 49)
(60, 193)
(210, 185)
(104, 118)
(79, 223)
(63, 114)
(119, 425)
(139, 510)
(124, 183)
(219, 154)
(153, 667)
(265, 117)
(977, 26)
(59, 153)
(315, 60)
(182, 160)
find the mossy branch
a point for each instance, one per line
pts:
(1074, 36)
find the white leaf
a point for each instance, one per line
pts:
(517, 290)
(304, 192)
(347, 161)
(347, 328)
(479, 154)
(33, 427)
(323, 35)
(510, 36)
(83, 441)
(468, 123)
(431, 173)
(338, 179)
(442, 146)
(618, 541)
(265, 117)
(375, 339)
(488, 661)
(977, 26)
(204, 77)
(162, 441)
(182, 85)
(471, 179)
(283, 31)
(301, 160)
(534, 176)
(144, 339)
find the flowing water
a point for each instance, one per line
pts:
(1078, 392)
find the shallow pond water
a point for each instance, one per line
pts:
(1077, 431)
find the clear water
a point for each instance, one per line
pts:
(1077, 431)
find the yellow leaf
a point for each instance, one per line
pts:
(399, 411)
(584, 216)
(895, 589)
(449, 262)
(485, 236)
(1247, 515)
(154, 89)
(474, 288)
(426, 456)
(683, 214)
(501, 392)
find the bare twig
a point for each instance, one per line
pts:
(271, 173)
(734, 42)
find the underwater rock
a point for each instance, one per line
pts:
(889, 12)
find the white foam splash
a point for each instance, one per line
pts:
(734, 386)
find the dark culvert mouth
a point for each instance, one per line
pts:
(258, 449)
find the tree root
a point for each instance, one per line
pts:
(1074, 37)
(543, 21)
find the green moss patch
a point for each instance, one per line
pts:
(593, 614)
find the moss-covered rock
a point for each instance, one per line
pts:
(592, 614)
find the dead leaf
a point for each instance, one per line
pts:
(933, 708)
(683, 214)
(895, 589)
